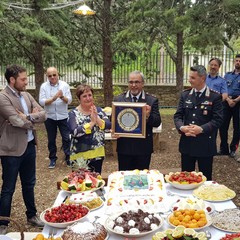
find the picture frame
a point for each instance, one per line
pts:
(129, 119)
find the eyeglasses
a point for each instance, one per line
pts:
(134, 82)
(53, 75)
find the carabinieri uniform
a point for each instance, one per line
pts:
(206, 112)
(233, 84)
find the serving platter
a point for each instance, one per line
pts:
(214, 192)
(86, 199)
(227, 220)
(27, 235)
(208, 207)
(185, 185)
(93, 209)
(62, 224)
(92, 189)
(209, 222)
(128, 235)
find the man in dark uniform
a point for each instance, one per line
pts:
(135, 153)
(197, 118)
(231, 110)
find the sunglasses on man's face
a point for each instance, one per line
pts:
(53, 75)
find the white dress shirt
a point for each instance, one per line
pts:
(58, 110)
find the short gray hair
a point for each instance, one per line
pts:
(200, 69)
(137, 73)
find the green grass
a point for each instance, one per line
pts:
(167, 111)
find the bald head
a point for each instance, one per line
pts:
(52, 75)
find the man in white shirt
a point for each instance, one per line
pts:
(55, 96)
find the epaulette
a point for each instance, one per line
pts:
(212, 90)
(151, 94)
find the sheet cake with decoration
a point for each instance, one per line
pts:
(137, 189)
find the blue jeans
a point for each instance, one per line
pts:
(25, 165)
(51, 127)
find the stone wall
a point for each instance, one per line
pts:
(166, 94)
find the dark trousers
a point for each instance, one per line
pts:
(25, 165)
(95, 164)
(188, 163)
(229, 113)
(51, 127)
(131, 162)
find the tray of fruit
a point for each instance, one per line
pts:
(180, 232)
(190, 218)
(185, 180)
(82, 180)
(64, 215)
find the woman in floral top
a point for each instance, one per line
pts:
(87, 124)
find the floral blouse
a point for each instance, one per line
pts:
(85, 142)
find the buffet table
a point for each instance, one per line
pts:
(173, 195)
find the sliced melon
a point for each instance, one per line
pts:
(72, 187)
(65, 179)
(64, 185)
(83, 186)
(96, 182)
(88, 181)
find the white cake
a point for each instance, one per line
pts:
(137, 189)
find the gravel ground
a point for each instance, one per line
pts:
(165, 158)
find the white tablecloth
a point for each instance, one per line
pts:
(216, 234)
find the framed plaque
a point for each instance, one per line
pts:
(129, 119)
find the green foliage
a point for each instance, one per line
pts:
(117, 90)
(231, 5)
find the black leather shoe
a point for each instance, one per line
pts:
(35, 221)
(220, 153)
(69, 163)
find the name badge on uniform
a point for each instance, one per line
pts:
(205, 112)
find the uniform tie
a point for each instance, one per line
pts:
(198, 94)
(135, 99)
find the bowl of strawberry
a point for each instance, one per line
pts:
(185, 180)
(64, 215)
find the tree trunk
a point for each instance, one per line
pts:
(38, 67)
(179, 64)
(107, 55)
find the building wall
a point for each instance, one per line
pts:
(166, 94)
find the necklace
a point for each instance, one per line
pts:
(80, 109)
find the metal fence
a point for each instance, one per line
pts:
(158, 68)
